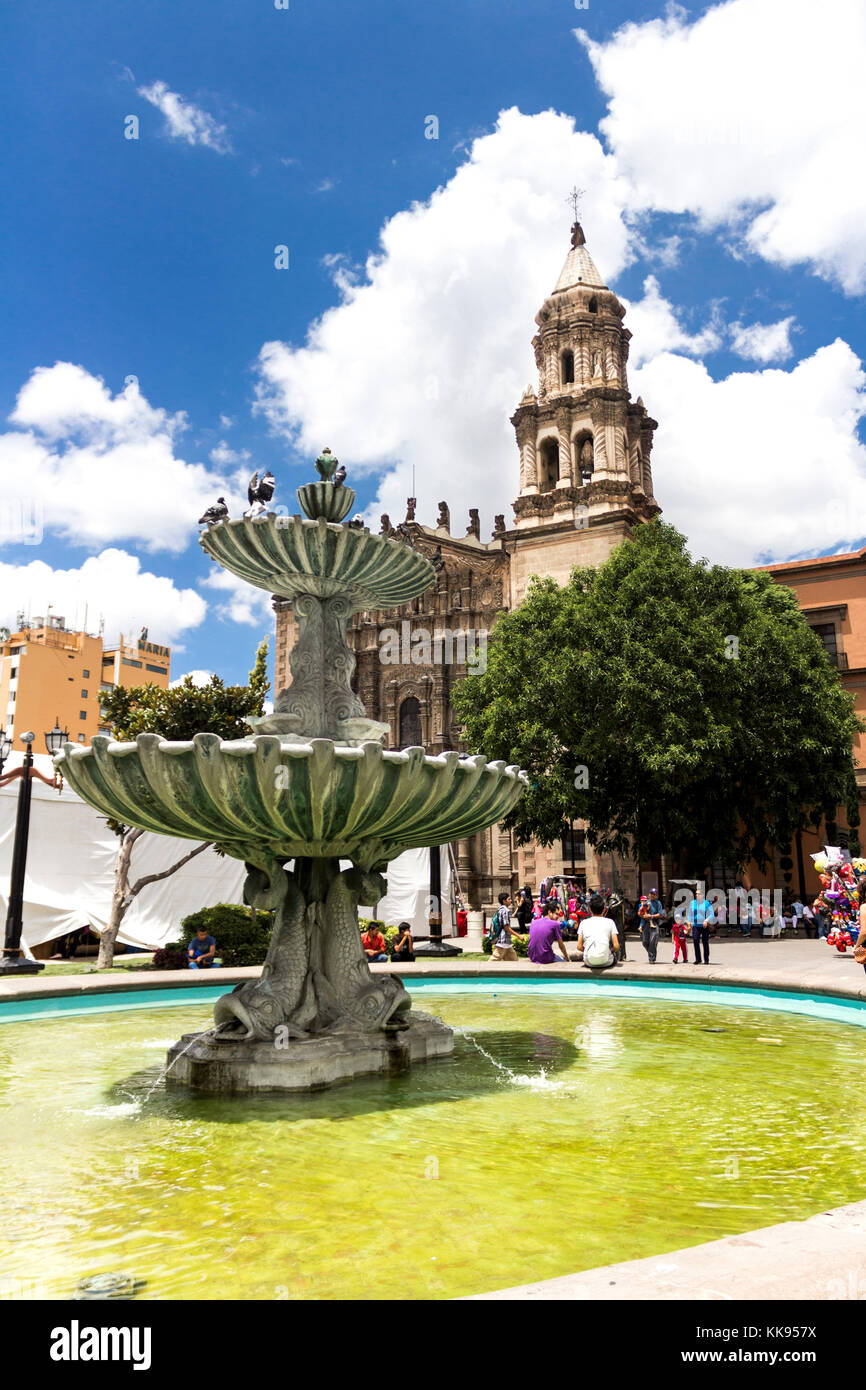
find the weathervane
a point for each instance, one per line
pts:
(574, 198)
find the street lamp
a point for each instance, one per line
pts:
(55, 740)
(13, 961)
(434, 945)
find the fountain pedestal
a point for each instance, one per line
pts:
(205, 1063)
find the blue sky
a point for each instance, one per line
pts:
(730, 224)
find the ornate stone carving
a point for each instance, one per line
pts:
(474, 527)
(444, 517)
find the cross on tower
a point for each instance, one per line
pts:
(574, 198)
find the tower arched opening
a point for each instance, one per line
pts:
(548, 473)
(566, 368)
(410, 723)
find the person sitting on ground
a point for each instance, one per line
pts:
(598, 937)
(542, 934)
(201, 952)
(503, 948)
(374, 944)
(404, 947)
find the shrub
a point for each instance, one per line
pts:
(239, 939)
(172, 956)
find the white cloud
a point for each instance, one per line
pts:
(426, 358)
(100, 468)
(198, 678)
(751, 116)
(111, 585)
(226, 422)
(222, 455)
(655, 327)
(763, 342)
(184, 120)
(240, 602)
(760, 464)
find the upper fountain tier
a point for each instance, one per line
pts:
(315, 554)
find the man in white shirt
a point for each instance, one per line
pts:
(598, 939)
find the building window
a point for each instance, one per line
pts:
(128, 661)
(573, 845)
(567, 368)
(159, 669)
(108, 661)
(84, 694)
(410, 723)
(593, 305)
(827, 633)
(85, 675)
(549, 471)
(82, 714)
(81, 738)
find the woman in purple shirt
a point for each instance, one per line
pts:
(542, 934)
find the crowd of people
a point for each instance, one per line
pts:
(564, 912)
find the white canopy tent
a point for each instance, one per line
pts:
(70, 873)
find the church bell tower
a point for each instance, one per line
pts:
(585, 477)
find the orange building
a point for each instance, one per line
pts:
(49, 672)
(831, 593)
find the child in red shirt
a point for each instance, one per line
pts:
(680, 941)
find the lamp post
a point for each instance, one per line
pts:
(13, 961)
(434, 945)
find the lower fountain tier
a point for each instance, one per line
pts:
(232, 1067)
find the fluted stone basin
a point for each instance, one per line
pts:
(291, 555)
(318, 800)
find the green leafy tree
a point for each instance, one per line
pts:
(186, 709)
(178, 714)
(672, 705)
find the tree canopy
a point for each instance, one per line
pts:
(672, 705)
(187, 709)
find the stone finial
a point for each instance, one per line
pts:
(444, 517)
(385, 527)
(577, 237)
(410, 508)
(474, 527)
(499, 525)
(528, 396)
(326, 465)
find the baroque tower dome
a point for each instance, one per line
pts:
(584, 444)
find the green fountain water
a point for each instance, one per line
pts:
(606, 1131)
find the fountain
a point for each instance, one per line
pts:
(313, 785)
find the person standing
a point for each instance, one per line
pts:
(524, 907)
(699, 915)
(598, 938)
(649, 934)
(681, 940)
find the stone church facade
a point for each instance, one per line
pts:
(585, 482)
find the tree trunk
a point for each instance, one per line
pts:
(120, 899)
(124, 895)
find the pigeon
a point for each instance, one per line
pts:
(260, 490)
(218, 512)
(340, 475)
(357, 521)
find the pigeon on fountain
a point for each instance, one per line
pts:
(259, 491)
(218, 512)
(340, 475)
(357, 521)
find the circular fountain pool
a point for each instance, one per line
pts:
(571, 1128)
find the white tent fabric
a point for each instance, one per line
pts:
(70, 873)
(408, 896)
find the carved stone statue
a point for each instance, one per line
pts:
(474, 527)
(410, 508)
(444, 517)
(499, 525)
(385, 527)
